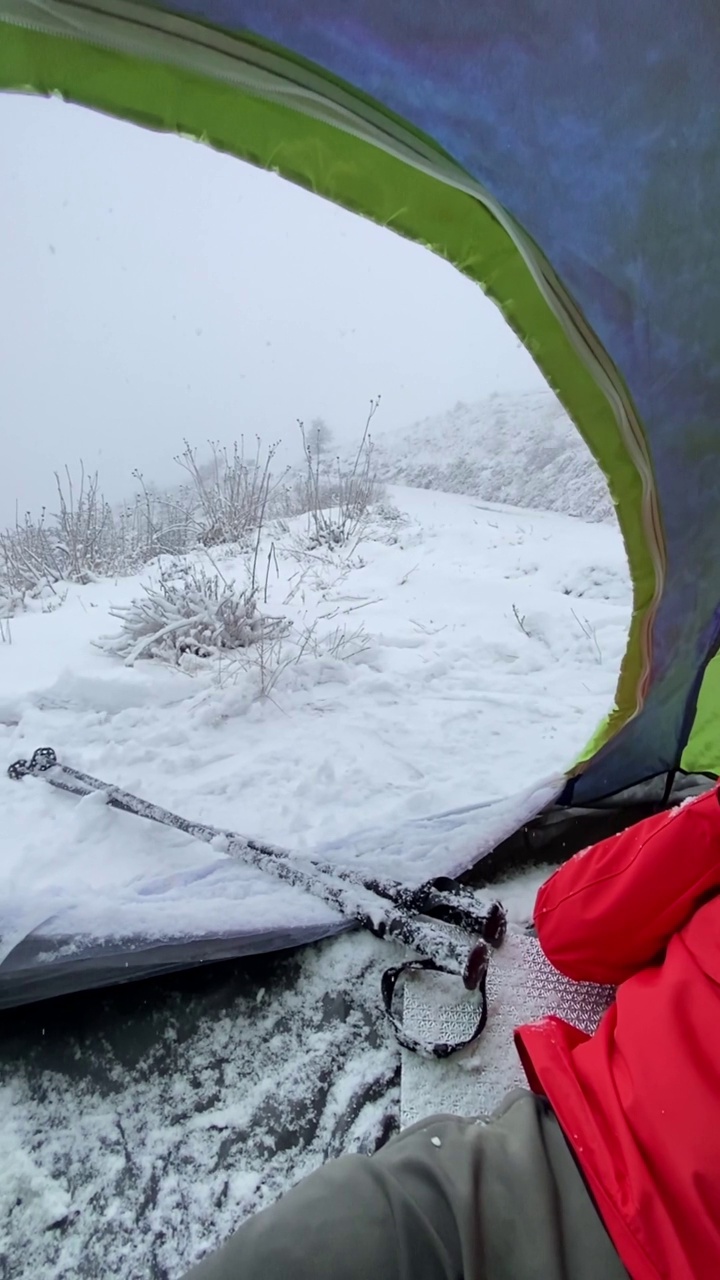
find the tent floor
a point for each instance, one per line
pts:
(141, 1124)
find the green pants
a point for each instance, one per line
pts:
(447, 1199)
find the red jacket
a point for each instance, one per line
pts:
(640, 1100)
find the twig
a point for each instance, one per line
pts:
(520, 619)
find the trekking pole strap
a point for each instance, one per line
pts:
(441, 1048)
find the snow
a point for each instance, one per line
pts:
(489, 649)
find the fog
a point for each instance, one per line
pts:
(152, 290)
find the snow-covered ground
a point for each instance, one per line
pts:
(459, 654)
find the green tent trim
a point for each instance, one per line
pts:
(327, 138)
(702, 753)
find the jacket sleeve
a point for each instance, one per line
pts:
(612, 909)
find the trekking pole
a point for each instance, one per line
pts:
(441, 898)
(442, 949)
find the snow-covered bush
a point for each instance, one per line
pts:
(11, 601)
(190, 612)
(30, 563)
(388, 513)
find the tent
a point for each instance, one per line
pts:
(564, 157)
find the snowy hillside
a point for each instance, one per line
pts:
(521, 450)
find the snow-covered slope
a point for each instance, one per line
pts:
(521, 450)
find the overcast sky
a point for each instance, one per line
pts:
(151, 289)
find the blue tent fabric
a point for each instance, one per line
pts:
(597, 127)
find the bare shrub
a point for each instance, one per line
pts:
(83, 540)
(226, 499)
(156, 523)
(591, 635)
(190, 613)
(275, 655)
(231, 492)
(83, 527)
(336, 497)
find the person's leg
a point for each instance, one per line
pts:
(447, 1199)
(588, 1249)
(382, 1217)
(537, 1220)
